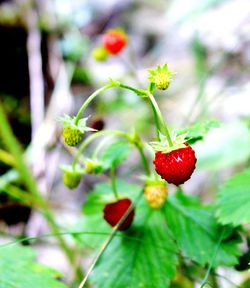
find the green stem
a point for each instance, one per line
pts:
(90, 98)
(157, 113)
(160, 117)
(143, 159)
(111, 133)
(158, 127)
(137, 145)
(113, 181)
(92, 138)
(205, 280)
(15, 150)
(136, 91)
(100, 147)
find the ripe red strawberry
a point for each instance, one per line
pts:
(114, 40)
(113, 212)
(177, 166)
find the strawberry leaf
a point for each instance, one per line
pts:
(234, 199)
(197, 233)
(198, 130)
(114, 154)
(18, 269)
(144, 256)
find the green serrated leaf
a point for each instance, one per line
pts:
(197, 233)
(198, 130)
(234, 200)
(144, 256)
(18, 269)
(114, 154)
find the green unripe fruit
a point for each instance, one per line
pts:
(156, 195)
(161, 77)
(162, 81)
(100, 54)
(72, 135)
(71, 178)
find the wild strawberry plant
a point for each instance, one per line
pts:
(150, 238)
(144, 229)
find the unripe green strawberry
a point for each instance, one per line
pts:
(72, 135)
(100, 54)
(162, 81)
(160, 77)
(74, 129)
(71, 176)
(156, 195)
(71, 180)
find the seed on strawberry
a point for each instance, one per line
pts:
(113, 212)
(177, 166)
(72, 135)
(156, 195)
(114, 40)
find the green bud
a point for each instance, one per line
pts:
(93, 166)
(161, 77)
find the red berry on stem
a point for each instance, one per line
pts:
(114, 41)
(113, 213)
(177, 166)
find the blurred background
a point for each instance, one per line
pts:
(47, 70)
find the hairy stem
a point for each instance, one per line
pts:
(90, 98)
(143, 159)
(157, 111)
(113, 181)
(92, 138)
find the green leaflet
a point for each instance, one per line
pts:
(197, 232)
(18, 269)
(234, 200)
(144, 256)
(198, 130)
(115, 153)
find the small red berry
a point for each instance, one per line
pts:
(114, 40)
(177, 166)
(113, 212)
